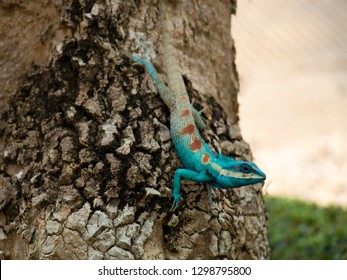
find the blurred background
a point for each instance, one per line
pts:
(292, 63)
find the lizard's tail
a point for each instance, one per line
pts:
(173, 69)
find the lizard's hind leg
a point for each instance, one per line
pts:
(163, 90)
(199, 121)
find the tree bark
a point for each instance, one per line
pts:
(87, 161)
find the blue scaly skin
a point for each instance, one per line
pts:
(201, 164)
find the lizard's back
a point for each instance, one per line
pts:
(190, 146)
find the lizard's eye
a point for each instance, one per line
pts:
(245, 168)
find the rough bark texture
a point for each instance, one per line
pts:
(86, 156)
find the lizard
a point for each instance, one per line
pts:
(201, 164)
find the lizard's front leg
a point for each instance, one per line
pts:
(200, 177)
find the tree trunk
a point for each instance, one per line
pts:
(87, 161)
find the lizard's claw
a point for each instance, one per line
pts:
(175, 203)
(174, 206)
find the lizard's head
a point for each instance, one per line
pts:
(238, 173)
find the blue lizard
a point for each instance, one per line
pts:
(201, 164)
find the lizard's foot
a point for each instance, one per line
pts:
(175, 203)
(174, 206)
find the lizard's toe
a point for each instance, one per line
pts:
(174, 206)
(176, 197)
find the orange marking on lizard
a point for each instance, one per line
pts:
(185, 112)
(182, 98)
(189, 129)
(205, 159)
(195, 145)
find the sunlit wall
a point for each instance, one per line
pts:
(292, 62)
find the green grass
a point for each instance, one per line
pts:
(301, 231)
